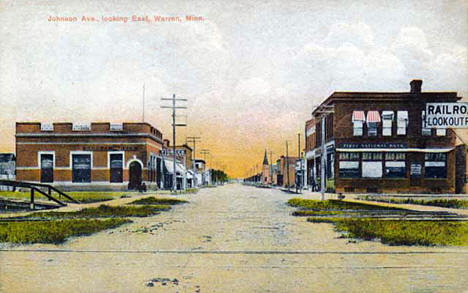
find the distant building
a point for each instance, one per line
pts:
(287, 171)
(89, 156)
(265, 170)
(377, 142)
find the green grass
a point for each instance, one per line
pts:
(446, 203)
(403, 232)
(84, 197)
(158, 201)
(333, 204)
(105, 211)
(53, 231)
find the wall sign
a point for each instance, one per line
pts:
(415, 170)
(169, 152)
(111, 148)
(447, 115)
(381, 145)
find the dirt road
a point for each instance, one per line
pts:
(230, 239)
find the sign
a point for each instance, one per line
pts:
(446, 115)
(415, 170)
(169, 152)
(111, 148)
(81, 127)
(47, 127)
(379, 145)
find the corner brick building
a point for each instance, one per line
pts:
(97, 156)
(376, 142)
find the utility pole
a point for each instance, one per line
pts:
(204, 152)
(287, 164)
(300, 160)
(194, 140)
(174, 125)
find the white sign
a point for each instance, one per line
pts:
(446, 115)
(81, 127)
(47, 127)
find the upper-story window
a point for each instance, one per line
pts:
(424, 130)
(81, 127)
(387, 120)
(47, 127)
(441, 132)
(402, 122)
(116, 127)
(358, 122)
(373, 119)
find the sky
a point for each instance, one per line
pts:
(252, 71)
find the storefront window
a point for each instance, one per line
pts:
(81, 168)
(372, 165)
(435, 165)
(395, 165)
(349, 165)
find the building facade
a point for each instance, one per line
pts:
(375, 142)
(85, 156)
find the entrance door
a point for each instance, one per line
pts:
(47, 168)
(135, 175)
(116, 169)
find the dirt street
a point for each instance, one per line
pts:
(230, 239)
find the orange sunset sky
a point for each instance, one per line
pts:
(252, 71)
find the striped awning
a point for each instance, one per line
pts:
(373, 116)
(359, 116)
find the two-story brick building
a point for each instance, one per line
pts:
(98, 156)
(378, 142)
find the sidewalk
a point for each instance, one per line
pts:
(306, 194)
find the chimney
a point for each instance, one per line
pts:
(416, 86)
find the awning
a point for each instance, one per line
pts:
(358, 116)
(169, 164)
(373, 116)
(189, 174)
(387, 115)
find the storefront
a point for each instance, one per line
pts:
(89, 156)
(378, 142)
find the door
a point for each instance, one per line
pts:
(135, 175)
(47, 168)
(116, 168)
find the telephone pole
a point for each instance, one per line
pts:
(174, 125)
(287, 164)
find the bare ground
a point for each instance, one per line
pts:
(230, 239)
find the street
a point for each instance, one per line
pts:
(232, 238)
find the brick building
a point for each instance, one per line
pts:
(84, 156)
(377, 142)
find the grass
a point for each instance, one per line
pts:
(403, 232)
(158, 201)
(84, 197)
(53, 231)
(105, 211)
(446, 203)
(333, 204)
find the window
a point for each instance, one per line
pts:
(372, 165)
(395, 165)
(441, 132)
(387, 120)
(425, 131)
(47, 167)
(435, 165)
(47, 127)
(81, 168)
(349, 165)
(402, 122)
(81, 127)
(116, 167)
(373, 118)
(330, 165)
(358, 121)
